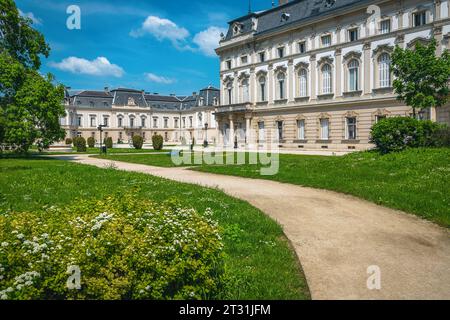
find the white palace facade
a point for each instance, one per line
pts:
(318, 72)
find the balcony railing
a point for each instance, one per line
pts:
(239, 107)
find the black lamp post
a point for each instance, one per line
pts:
(100, 128)
(205, 144)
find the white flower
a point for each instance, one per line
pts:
(4, 297)
(20, 236)
(5, 244)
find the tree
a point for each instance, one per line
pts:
(421, 76)
(30, 104)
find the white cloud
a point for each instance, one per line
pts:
(30, 15)
(208, 40)
(158, 79)
(97, 67)
(163, 29)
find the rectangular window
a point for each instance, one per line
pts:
(191, 123)
(301, 129)
(379, 118)
(324, 129)
(120, 121)
(351, 128)
(302, 47)
(263, 91)
(155, 122)
(184, 122)
(244, 60)
(143, 122)
(281, 52)
(132, 122)
(353, 35)
(261, 131)
(326, 41)
(92, 122)
(420, 18)
(79, 121)
(280, 130)
(228, 64)
(106, 121)
(176, 122)
(262, 57)
(166, 122)
(385, 26)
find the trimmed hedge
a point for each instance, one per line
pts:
(138, 142)
(69, 141)
(124, 247)
(108, 142)
(91, 142)
(399, 133)
(158, 142)
(80, 144)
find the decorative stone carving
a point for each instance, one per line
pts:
(383, 48)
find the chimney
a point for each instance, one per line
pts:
(282, 2)
(194, 94)
(106, 89)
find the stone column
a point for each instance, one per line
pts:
(366, 48)
(252, 84)
(235, 95)
(248, 129)
(400, 19)
(437, 32)
(338, 55)
(313, 64)
(270, 85)
(231, 137)
(437, 8)
(290, 85)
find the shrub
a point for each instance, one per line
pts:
(69, 141)
(138, 142)
(91, 142)
(441, 137)
(125, 248)
(80, 144)
(399, 133)
(158, 142)
(109, 143)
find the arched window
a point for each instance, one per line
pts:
(303, 83)
(281, 86)
(326, 79)
(230, 93)
(384, 70)
(245, 91)
(353, 75)
(262, 89)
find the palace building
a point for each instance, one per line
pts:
(318, 72)
(127, 112)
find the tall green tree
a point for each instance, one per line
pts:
(421, 77)
(30, 104)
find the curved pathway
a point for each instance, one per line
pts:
(337, 237)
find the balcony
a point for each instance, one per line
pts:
(239, 107)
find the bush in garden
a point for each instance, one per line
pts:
(158, 142)
(91, 142)
(69, 141)
(441, 137)
(138, 142)
(125, 248)
(80, 144)
(109, 143)
(398, 133)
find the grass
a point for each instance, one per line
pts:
(159, 160)
(416, 181)
(97, 150)
(259, 260)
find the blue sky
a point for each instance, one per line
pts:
(159, 46)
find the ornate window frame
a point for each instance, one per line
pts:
(377, 53)
(281, 70)
(327, 60)
(347, 59)
(347, 115)
(302, 67)
(259, 75)
(323, 116)
(243, 78)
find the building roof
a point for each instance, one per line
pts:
(296, 11)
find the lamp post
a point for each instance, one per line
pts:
(100, 128)
(205, 144)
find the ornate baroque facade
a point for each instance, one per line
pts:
(317, 72)
(127, 112)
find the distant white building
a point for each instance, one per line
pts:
(128, 112)
(318, 72)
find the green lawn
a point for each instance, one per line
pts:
(97, 150)
(159, 160)
(259, 260)
(415, 181)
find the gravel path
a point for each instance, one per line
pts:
(337, 237)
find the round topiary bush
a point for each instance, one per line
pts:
(117, 248)
(69, 142)
(80, 144)
(158, 142)
(398, 133)
(138, 142)
(108, 142)
(91, 142)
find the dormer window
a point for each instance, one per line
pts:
(237, 28)
(302, 47)
(285, 17)
(262, 56)
(91, 104)
(228, 64)
(244, 59)
(385, 26)
(420, 18)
